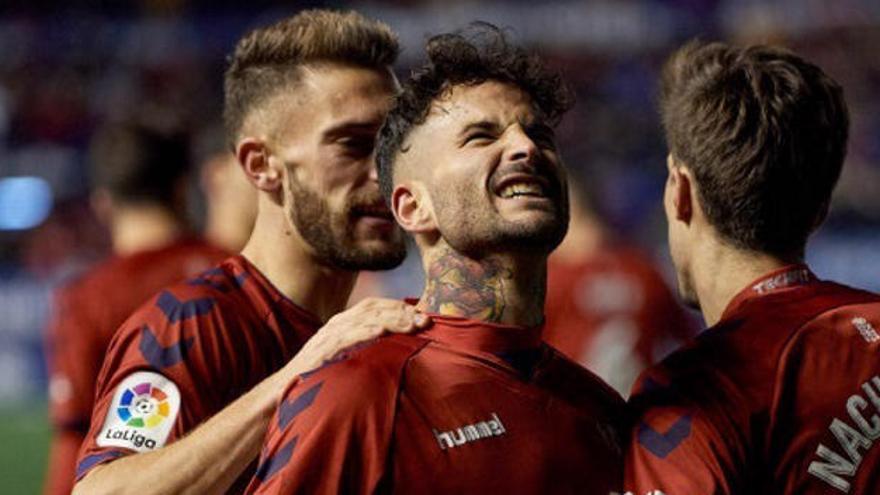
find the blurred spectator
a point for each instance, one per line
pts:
(139, 184)
(607, 306)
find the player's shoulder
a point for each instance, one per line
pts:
(367, 374)
(578, 385)
(212, 297)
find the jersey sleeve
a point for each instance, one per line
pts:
(154, 385)
(331, 432)
(678, 446)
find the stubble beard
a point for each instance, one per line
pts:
(331, 236)
(471, 228)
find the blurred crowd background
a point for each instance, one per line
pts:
(69, 67)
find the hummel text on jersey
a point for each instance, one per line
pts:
(834, 468)
(492, 427)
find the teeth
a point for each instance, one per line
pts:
(522, 189)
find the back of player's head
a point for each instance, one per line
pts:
(471, 56)
(138, 164)
(764, 132)
(269, 59)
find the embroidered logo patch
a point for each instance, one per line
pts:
(142, 413)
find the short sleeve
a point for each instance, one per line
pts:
(331, 431)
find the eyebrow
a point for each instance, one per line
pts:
(350, 128)
(539, 127)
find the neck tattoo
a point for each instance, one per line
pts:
(458, 286)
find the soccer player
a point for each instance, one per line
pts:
(477, 403)
(191, 379)
(139, 178)
(607, 306)
(782, 393)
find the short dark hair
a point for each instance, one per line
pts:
(471, 56)
(138, 164)
(764, 132)
(268, 58)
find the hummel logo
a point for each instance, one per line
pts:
(866, 330)
(469, 433)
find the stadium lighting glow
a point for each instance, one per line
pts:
(24, 202)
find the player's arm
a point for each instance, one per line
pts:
(678, 448)
(211, 457)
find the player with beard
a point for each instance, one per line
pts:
(477, 403)
(191, 379)
(782, 393)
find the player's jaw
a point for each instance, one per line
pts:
(360, 234)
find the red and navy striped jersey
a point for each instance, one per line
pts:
(464, 407)
(186, 354)
(87, 312)
(781, 396)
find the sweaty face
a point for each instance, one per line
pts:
(495, 178)
(331, 194)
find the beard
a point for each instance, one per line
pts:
(331, 234)
(476, 230)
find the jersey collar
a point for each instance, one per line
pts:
(275, 295)
(480, 336)
(787, 277)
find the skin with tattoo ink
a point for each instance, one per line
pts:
(457, 286)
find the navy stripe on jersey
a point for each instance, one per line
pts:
(270, 466)
(176, 310)
(90, 461)
(288, 410)
(160, 356)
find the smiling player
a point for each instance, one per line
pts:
(477, 403)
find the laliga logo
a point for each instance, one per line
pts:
(143, 405)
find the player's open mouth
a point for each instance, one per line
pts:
(522, 185)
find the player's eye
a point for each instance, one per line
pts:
(543, 137)
(357, 146)
(479, 137)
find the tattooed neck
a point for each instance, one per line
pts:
(488, 290)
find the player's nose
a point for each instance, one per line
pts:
(520, 147)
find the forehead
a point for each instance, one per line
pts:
(330, 94)
(492, 101)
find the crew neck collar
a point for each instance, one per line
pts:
(785, 278)
(275, 295)
(480, 336)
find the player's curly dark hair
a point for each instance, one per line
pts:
(481, 52)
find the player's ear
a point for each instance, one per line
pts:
(254, 157)
(412, 208)
(681, 184)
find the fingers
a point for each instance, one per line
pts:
(364, 321)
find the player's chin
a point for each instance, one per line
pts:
(380, 254)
